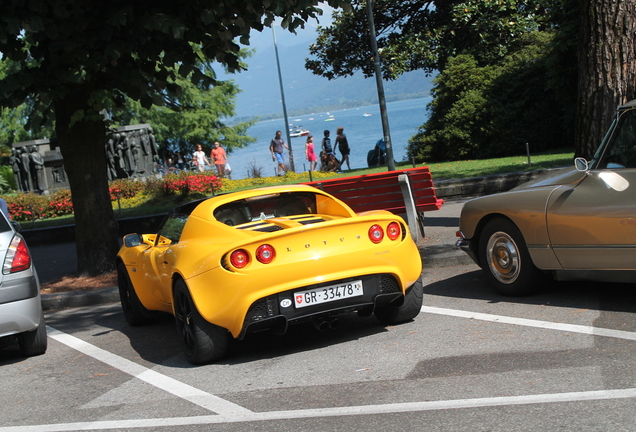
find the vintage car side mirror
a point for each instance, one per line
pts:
(581, 164)
(132, 240)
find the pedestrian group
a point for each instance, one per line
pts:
(328, 159)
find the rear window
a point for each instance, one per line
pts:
(4, 225)
(266, 207)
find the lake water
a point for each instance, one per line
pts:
(405, 117)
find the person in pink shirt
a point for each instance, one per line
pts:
(310, 153)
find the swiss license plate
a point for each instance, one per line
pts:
(328, 294)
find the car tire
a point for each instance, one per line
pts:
(394, 314)
(201, 341)
(134, 312)
(505, 259)
(33, 343)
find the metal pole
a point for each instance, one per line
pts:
(282, 95)
(378, 79)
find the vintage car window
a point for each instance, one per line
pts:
(266, 207)
(620, 151)
(173, 227)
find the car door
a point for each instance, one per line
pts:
(592, 225)
(159, 260)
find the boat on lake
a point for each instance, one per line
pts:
(298, 132)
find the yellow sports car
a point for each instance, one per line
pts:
(264, 259)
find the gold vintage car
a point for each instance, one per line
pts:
(575, 224)
(264, 259)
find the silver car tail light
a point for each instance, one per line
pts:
(18, 257)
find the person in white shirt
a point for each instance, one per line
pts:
(198, 158)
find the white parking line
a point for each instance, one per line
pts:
(177, 388)
(232, 413)
(410, 407)
(572, 328)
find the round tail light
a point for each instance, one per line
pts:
(239, 258)
(376, 234)
(265, 254)
(393, 231)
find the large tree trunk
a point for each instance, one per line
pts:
(606, 66)
(82, 146)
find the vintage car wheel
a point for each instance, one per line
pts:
(505, 259)
(134, 312)
(34, 342)
(200, 340)
(408, 310)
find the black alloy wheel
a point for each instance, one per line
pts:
(201, 341)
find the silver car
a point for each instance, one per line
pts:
(575, 224)
(21, 315)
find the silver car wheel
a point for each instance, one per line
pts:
(503, 257)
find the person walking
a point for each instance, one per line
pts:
(198, 158)
(310, 153)
(219, 157)
(330, 162)
(277, 146)
(342, 145)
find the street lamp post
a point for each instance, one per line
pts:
(282, 95)
(378, 78)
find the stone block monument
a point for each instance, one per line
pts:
(38, 165)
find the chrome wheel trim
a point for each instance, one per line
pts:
(503, 258)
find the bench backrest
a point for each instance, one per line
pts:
(381, 191)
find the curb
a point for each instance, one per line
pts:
(53, 302)
(450, 258)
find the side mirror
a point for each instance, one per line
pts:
(581, 164)
(132, 240)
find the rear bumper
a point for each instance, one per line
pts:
(21, 286)
(20, 316)
(276, 312)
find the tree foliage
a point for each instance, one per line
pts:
(76, 58)
(492, 111)
(423, 34)
(13, 121)
(194, 116)
(505, 68)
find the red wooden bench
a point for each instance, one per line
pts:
(407, 191)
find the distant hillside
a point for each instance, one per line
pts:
(260, 86)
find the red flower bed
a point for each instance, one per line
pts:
(184, 184)
(26, 207)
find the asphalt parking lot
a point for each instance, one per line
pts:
(472, 360)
